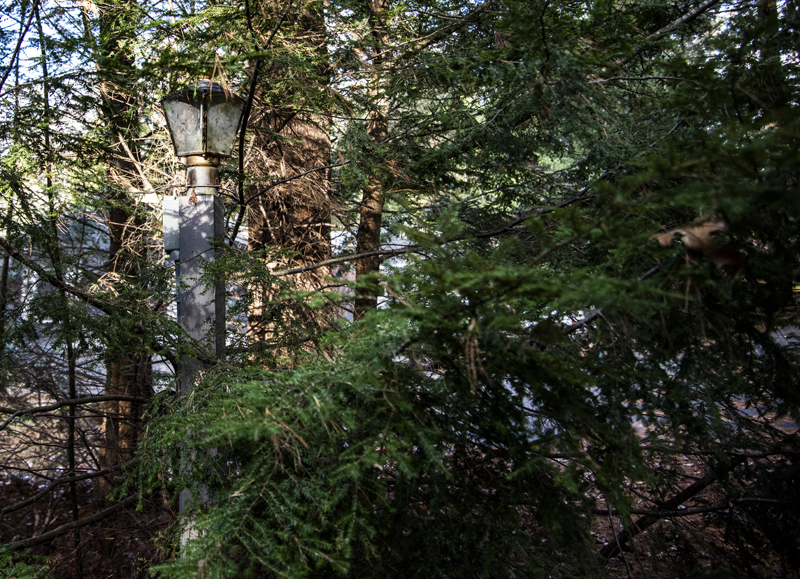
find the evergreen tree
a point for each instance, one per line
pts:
(589, 324)
(599, 198)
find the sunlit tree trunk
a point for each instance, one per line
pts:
(129, 373)
(368, 238)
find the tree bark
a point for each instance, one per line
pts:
(368, 238)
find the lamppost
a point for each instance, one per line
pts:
(202, 120)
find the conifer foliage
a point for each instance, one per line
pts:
(566, 237)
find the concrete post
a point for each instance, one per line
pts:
(202, 309)
(202, 120)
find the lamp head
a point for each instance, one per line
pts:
(203, 120)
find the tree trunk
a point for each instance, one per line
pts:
(129, 374)
(368, 237)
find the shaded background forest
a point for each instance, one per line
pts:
(511, 291)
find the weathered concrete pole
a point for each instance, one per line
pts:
(202, 310)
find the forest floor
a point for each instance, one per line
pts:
(697, 545)
(119, 547)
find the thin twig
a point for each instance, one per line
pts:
(15, 54)
(616, 538)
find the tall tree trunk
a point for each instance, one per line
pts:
(368, 237)
(294, 214)
(129, 373)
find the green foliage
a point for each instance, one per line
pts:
(355, 465)
(454, 432)
(25, 567)
(561, 328)
(463, 429)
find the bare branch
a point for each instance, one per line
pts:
(643, 523)
(63, 529)
(688, 17)
(53, 280)
(722, 506)
(56, 405)
(54, 484)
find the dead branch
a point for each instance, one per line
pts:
(63, 529)
(56, 405)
